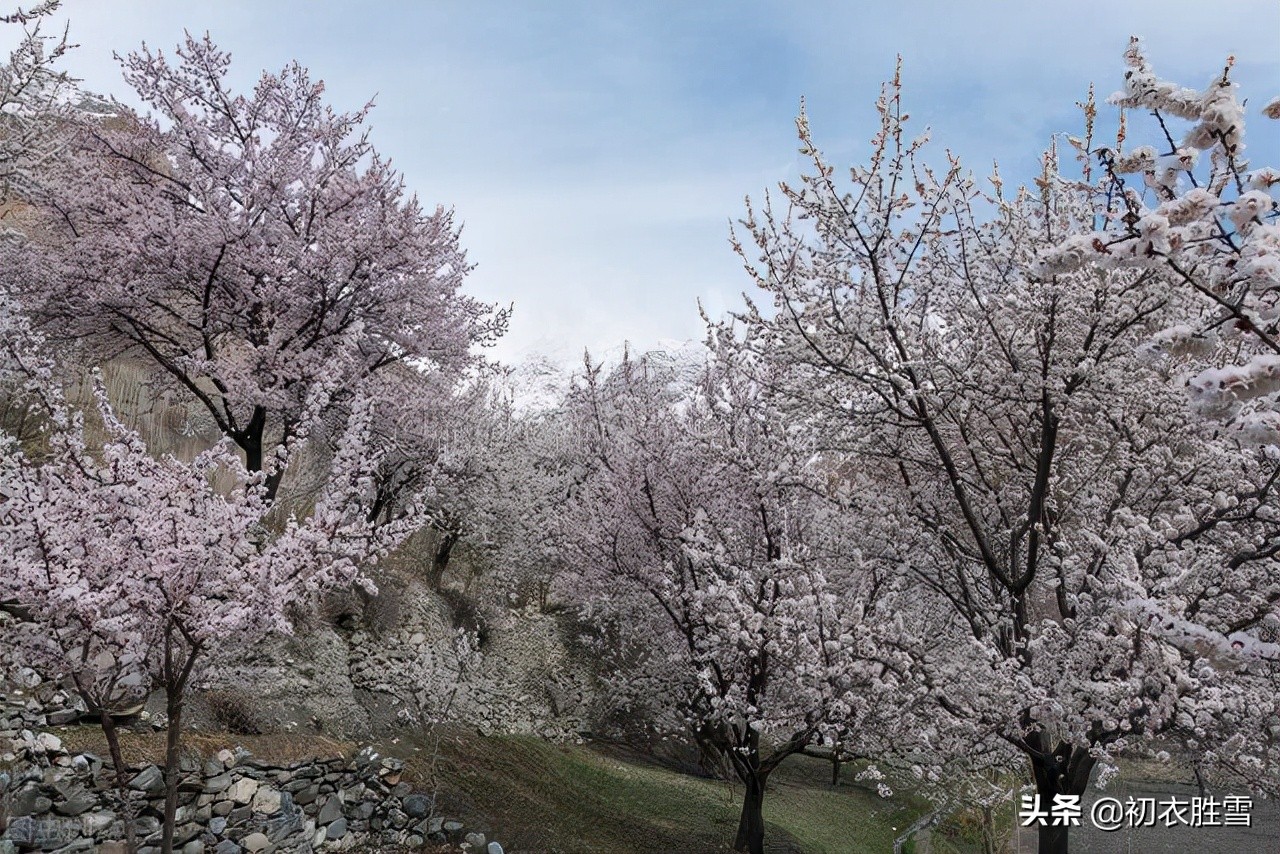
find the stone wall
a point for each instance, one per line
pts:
(55, 800)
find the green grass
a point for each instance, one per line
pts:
(541, 798)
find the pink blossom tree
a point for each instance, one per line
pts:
(1016, 459)
(130, 567)
(256, 249)
(739, 617)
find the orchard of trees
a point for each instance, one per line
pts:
(981, 482)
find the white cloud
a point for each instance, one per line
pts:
(596, 151)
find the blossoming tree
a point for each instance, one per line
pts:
(1022, 464)
(129, 568)
(1192, 208)
(740, 617)
(31, 91)
(256, 249)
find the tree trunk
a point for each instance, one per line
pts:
(440, 560)
(172, 757)
(751, 823)
(122, 778)
(1064, 771)
(1052, 839)
(252, 440)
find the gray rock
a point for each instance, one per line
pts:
(307, 795)
(337, 830)
(266, 801)
(289, 820)
(217, 783)
(75, 847)
(218, 825)
(78, 800)
(86, 764)
(255, 842)
(243, 790)
(226, 846)
(23, 831)
(93, 823)
(494, 848)
(191, 784)
(331, 811)
(49, 742)
(184, 833)
(195, 846)
(46, 834)
(477, 841)
(149, 780)
(28, 801)
(417, 806)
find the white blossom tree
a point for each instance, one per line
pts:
(534, 464)
(1189, 207)
(737, 615)
(1017, 459)
(1199, 214)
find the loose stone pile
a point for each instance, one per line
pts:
(53, 800)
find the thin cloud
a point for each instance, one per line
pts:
(597, 151)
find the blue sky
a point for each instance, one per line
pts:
(597, 151)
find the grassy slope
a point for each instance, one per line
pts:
(543, 798)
